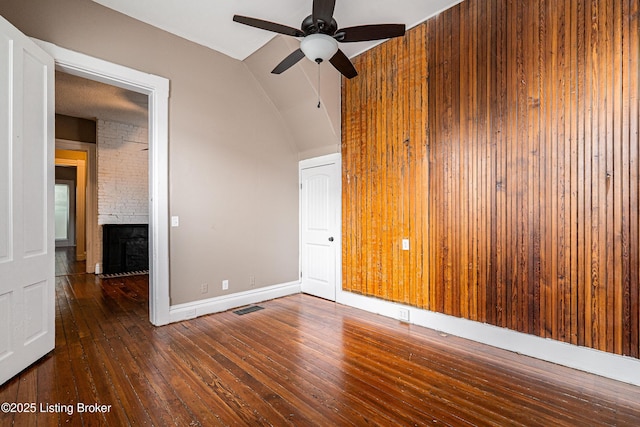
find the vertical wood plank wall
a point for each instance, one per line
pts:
(501, 138)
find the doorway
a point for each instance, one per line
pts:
(320, 223)
(80, 157)
(112, 124)
(157, 89)
(65, 209)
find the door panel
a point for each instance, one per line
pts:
(6, 312)
(34, 154)
(319, 220)
(318, 266)
(5, 150)
(35, 324)
(27, 300)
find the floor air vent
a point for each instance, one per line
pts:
(248, 310)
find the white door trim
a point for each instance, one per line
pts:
(316, 162)
(157, 88)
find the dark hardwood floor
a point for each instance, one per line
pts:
(66, 262)
(301, 361)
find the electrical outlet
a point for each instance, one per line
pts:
(252, 281)
(204, 288)
(405, 244)
(225, 285)
(403, 315)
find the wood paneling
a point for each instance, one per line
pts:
(501, 138)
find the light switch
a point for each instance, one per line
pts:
(405, 244)
(175, 221)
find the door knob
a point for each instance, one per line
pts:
(331, 239)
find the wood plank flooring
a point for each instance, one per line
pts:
(301, 361)
(66, 262)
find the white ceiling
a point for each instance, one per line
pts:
(209, 22)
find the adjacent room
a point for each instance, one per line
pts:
(320, 212)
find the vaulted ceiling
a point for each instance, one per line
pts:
(210, 23)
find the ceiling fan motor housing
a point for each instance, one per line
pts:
(309, 26)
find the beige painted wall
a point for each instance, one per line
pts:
(233, 165)
(294, 93)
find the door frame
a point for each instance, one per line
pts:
(157, 88)
(311, 163)
(90, 196)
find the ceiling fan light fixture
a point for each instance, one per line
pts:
(319, 47)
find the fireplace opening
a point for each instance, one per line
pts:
(125, 248)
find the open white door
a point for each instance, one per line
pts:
(27, 288)
(320, 226)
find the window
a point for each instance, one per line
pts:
(62, 208)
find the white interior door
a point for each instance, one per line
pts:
(27, 289)
(320, 194)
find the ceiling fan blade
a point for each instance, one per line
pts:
(343, 64)
(289, 62)
(323, 10)
(269, 26)
(369, 32)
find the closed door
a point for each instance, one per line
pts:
(320, 226)
(27, 288)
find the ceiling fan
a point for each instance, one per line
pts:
(321, 35)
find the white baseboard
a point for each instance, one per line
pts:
(190, 310)
(621, 368)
